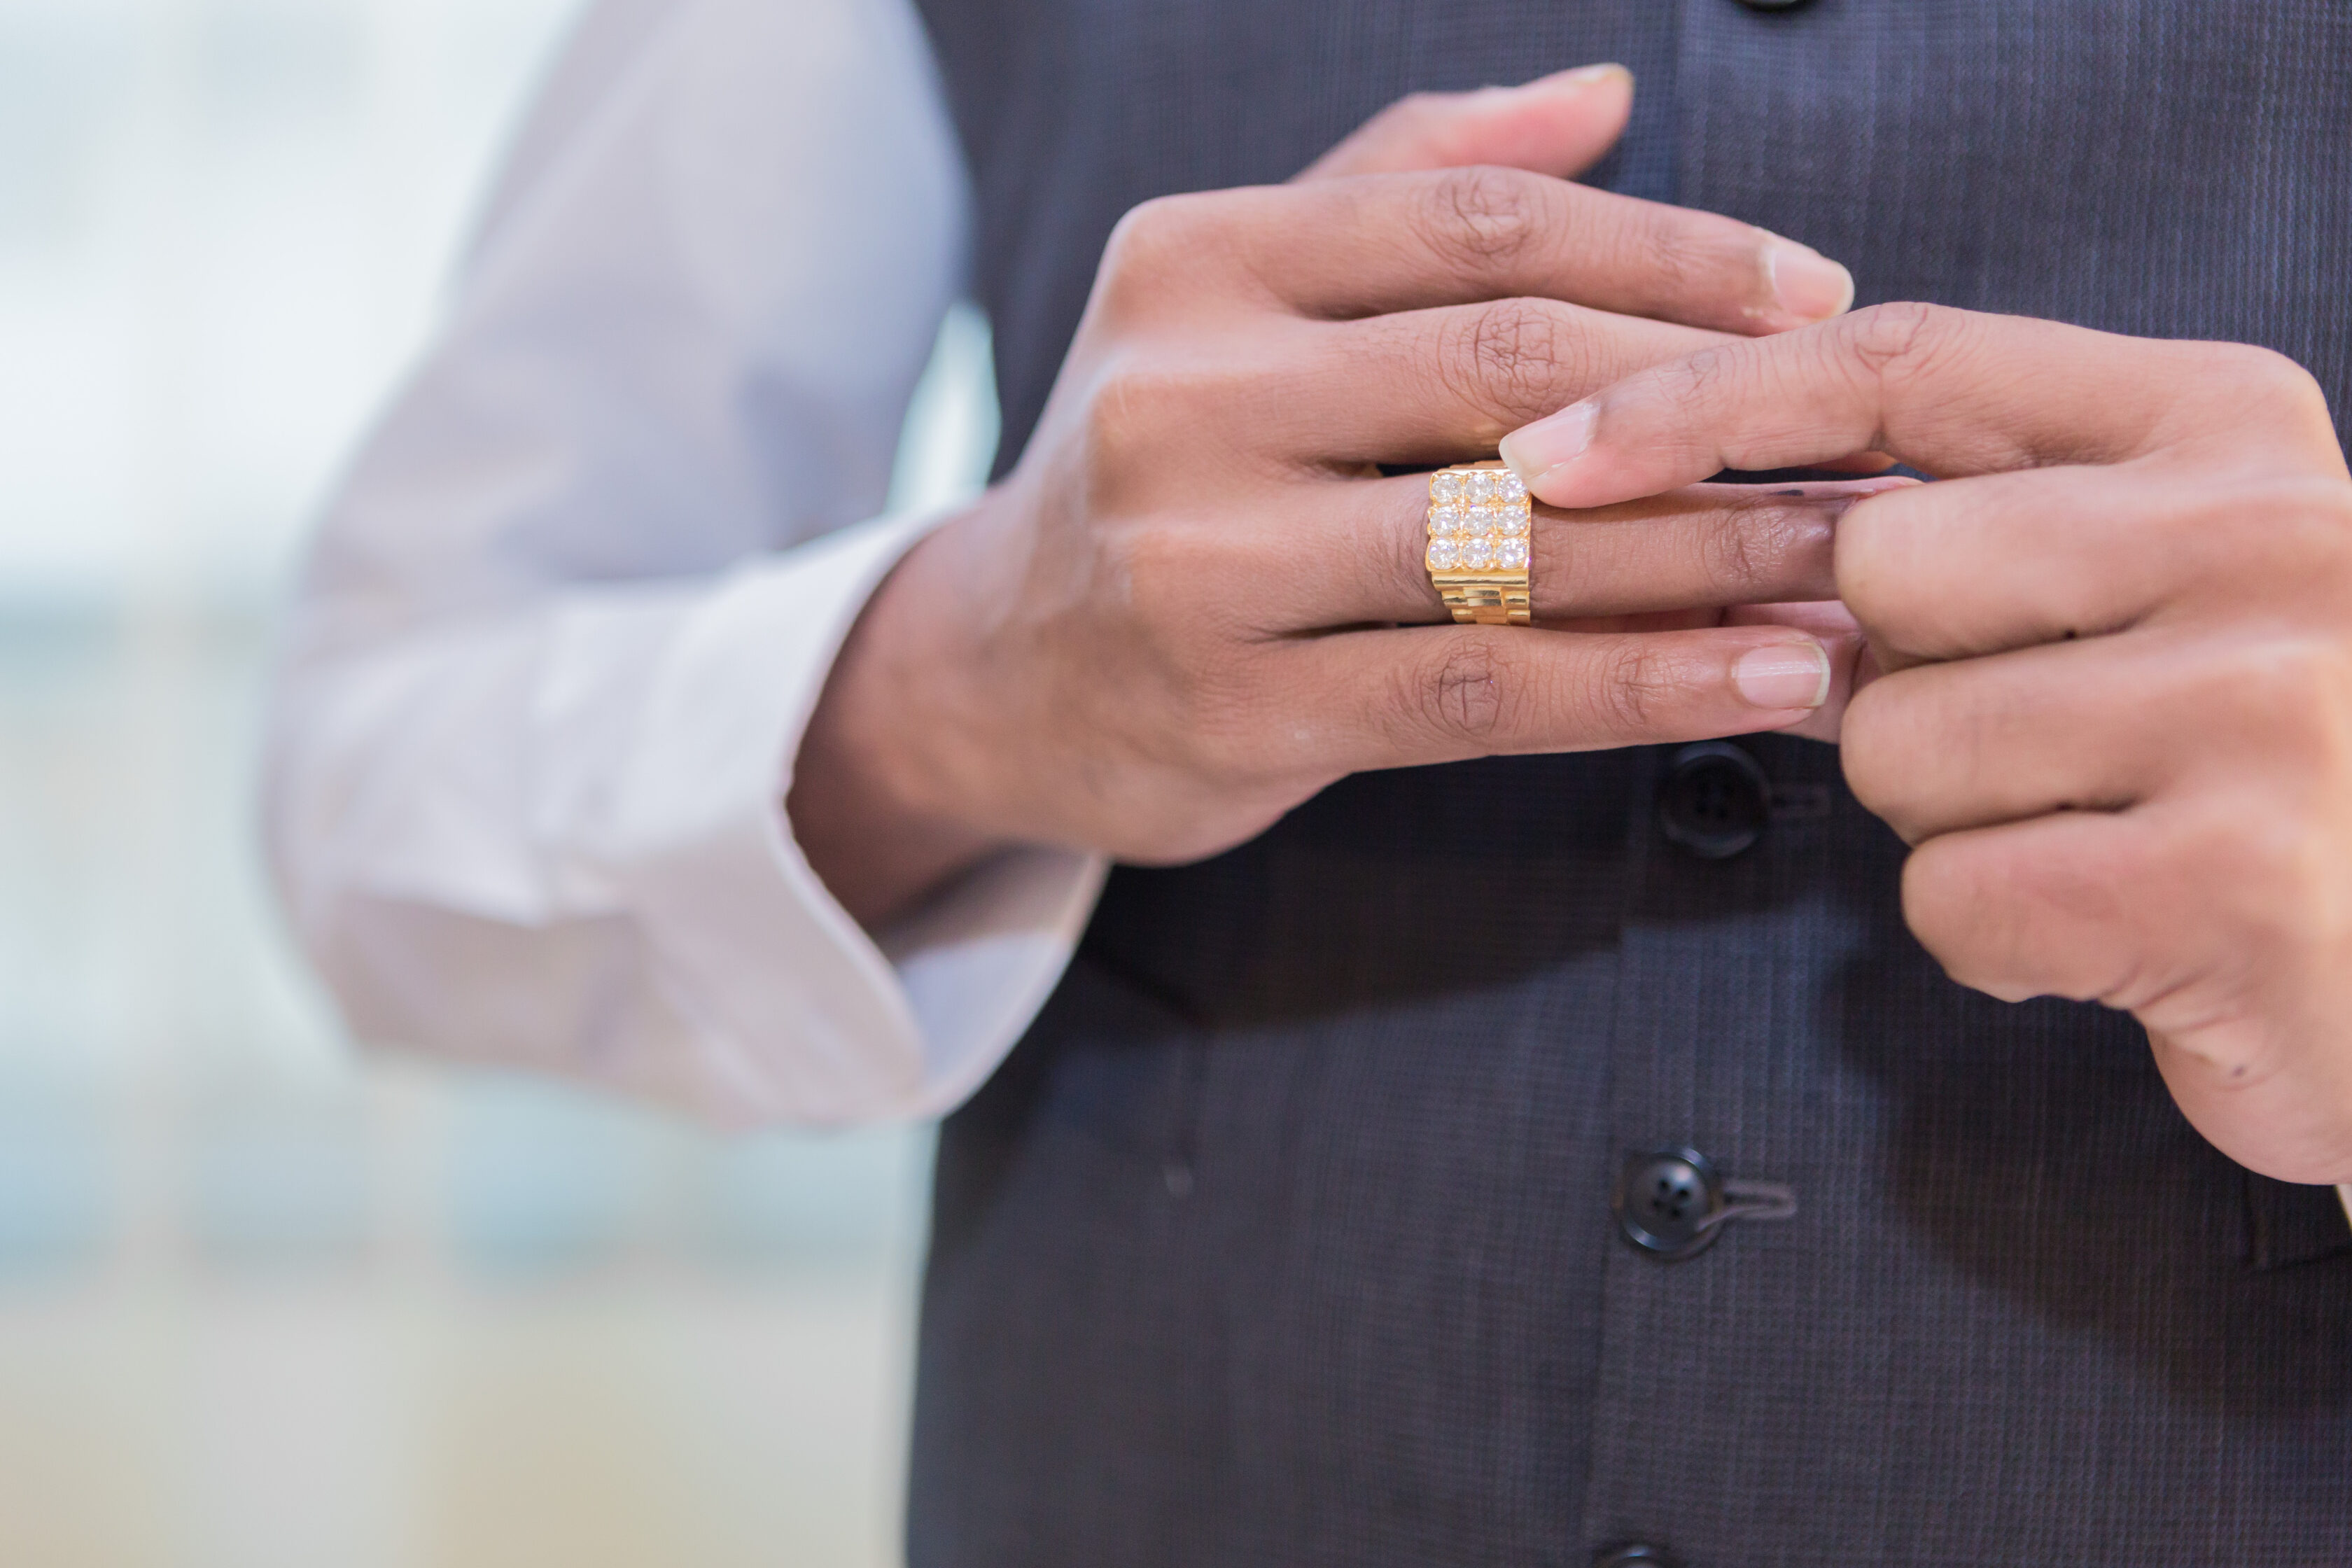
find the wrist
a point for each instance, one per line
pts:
(872, 805)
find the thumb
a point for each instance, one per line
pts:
(1560, 124)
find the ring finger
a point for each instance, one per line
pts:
(1355, 552)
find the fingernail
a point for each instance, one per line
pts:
(1786, 674)
(1544, 447)
(1807, 284)
(1584, 76)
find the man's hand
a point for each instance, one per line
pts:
(2118, 724)
(1196, 603)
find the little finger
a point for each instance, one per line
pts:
(1402, 697)
(2166, 912)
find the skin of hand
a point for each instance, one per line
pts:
(2116, 715)
(1197, 602)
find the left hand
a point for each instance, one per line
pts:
(2116, 721)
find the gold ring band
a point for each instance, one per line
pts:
(1480, 544)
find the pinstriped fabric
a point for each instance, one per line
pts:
(2166, 170)
(2010, 1322)
(1287, 1353)
(1283, 1237)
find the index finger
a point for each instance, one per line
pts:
(1952, 392)
(1375, 244)
(1558, 124)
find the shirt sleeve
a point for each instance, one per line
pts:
(565, 623)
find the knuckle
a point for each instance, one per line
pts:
(1692, 381)
(1151, 229)
(2264, 855)
(2262, 370)
(1136, 409)
(1156, 241)
(2287, 680)
(1887, 557)
(1971, 901)
(1483, 218)
(2252, 399)
(2254, 872)
(2291, 392)
(1159, 566)
(1760, 545)
(2305, 535)
(1630, 689)
(1887, 337)
(1507, 357)
(1943, 898)
(1871, 749)
(1748, 548)
(2297, 691)
(2325, 502)
(1897, 345)
(1123, 423)
(1871, 560)
(1459, 694)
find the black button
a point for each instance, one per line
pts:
(1635, 1554)
(1664, 1200)
(1714, 800)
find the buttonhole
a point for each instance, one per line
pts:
(1800, 801)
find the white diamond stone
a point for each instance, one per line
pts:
(1447, 519)
(1443, 555)
(1445, 487)
(1509, 487)
(1514, 521)
(1478, 554)
(1511, 553)
(1482, 487)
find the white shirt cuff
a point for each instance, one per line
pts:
(803, 1018)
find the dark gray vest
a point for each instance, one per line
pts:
(1286, 1234)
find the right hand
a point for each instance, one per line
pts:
(1196, 602)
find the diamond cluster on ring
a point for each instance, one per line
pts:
(1478, 521)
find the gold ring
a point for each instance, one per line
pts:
(1479, 544)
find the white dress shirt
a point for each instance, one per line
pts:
(569, 615)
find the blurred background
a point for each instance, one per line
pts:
(265, 1302)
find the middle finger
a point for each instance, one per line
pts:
(1449, 380)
